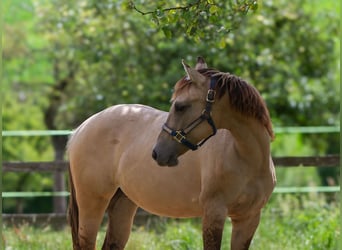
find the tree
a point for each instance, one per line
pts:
(201, 20)
(279, 62)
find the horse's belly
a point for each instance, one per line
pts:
(169, 208)
(172, 192)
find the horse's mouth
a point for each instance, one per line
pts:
(171, 162)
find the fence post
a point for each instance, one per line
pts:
(59, 203)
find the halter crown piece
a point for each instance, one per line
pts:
(180, 135)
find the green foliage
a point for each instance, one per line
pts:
(17, 107)
(128, 60)
(29, 182)
(24, 83)
(199, 21)
(116, 56)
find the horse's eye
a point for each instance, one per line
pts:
(181, 107)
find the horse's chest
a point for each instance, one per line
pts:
(236, 187)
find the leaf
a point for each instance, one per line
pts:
(155, 18)
(213, 9)
(167, 32)
(254, 6)
(222, 43)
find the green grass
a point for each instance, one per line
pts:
(289, 222)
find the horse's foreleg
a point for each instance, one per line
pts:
(212, 227)
(243, 231)
(121, 211)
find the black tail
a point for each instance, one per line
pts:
(73, 214)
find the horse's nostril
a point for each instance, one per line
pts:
(154, 154)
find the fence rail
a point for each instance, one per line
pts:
(286, 161)
(48, 166)
(277, 130)
(61, 166)
(307, 161)
(59, 220)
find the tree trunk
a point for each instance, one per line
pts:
(58, 142)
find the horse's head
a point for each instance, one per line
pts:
(189, 123)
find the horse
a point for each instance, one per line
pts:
(129, 156)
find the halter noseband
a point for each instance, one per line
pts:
(180, 135)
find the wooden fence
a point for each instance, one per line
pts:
(62, 166)
(59, 219)
(286, 161)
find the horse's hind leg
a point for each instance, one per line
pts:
(91, 212)
(243, 231)
(121, 211)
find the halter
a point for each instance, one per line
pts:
(180, 135)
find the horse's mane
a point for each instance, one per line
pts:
(243, 97)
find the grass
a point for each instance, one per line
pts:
(304, 222)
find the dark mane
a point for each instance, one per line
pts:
(243, 97)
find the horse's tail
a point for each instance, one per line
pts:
(73, 213)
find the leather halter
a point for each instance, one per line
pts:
(180, 135)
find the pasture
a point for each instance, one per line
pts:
(289, 221)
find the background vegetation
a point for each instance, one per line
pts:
(66, 60)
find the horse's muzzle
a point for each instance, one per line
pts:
(169, 161)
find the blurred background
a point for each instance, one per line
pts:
(66, 60)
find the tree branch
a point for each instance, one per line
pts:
(183, 8)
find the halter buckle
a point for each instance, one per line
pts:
(179, 136)
(211, 96)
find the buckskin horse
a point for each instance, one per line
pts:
(230, 175)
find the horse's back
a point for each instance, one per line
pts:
(110, 124)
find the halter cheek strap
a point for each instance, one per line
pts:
(180, 135)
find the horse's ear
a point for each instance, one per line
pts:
(193, 74)
(201, 64)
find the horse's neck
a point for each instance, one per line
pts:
(251, 138)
